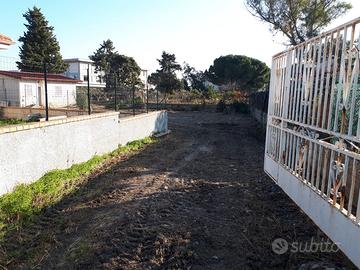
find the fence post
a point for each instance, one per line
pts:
(88, 89)
(147, 99)
(46, 94)
(115, 94)
(133, 99)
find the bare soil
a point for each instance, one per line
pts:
(197, 199)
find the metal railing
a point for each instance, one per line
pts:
(314, 115)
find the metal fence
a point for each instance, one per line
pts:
(313, 129)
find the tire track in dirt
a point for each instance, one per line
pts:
(196, 200)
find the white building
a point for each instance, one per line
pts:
(78, 69)
(28, 89)
(5, 42)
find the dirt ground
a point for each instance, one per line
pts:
(197, 199)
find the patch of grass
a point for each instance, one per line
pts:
(26, 201)
(7, 122)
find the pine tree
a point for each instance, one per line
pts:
(39, 45)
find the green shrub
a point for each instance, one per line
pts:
(7, 122)
(138, 101)
(81, 99)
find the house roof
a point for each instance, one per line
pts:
(37, 76)
(4, 40)
(81, 60)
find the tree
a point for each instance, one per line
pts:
(126, 70)
(102, 58)
(193, 79)
(241, 72)
(39, 45)
(297, 19)
(165, 78)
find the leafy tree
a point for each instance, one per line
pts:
(193, 79)
(165, 78)
(297, 19)
(126, 69)
(39, 45)
(240, 72)
(102, 58)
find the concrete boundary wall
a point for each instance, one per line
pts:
(29, 151)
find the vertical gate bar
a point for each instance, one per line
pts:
(327, 84)
(271, 108)
(293, 105)
(291, 80)
(311, 92)
(282, 86)
(342, 199)
(292, 147)
(285, 101)
(352, 188)
(310, 158)
(323, 67)
(334, 73)
(317, 183)
(354, 89)
(276, 89)
(315, 157)
(304, 76)
(296, 156)
(299, 86)
(287, 138)
(312, 95)
(341, 79)
(310, 81)
(329, 174)
(353, 83)
(316, 85)
(324, 171)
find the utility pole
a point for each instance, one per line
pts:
(46, 94)
(147, 90)
(88, 89)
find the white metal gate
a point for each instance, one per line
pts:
(313, 131)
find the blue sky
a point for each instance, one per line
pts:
(197, 31)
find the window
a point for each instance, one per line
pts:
(28, 90)
(58, 91)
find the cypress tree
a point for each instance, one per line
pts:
(39, 45)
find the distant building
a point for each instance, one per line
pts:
(28, 89)
(144, 77)
(6, 63)
(78, 69)
(5, 42)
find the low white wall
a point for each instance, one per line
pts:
(28, 151)
(334, 223)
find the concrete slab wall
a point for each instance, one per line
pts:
(28, 151)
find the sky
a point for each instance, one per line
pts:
(196, 31)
